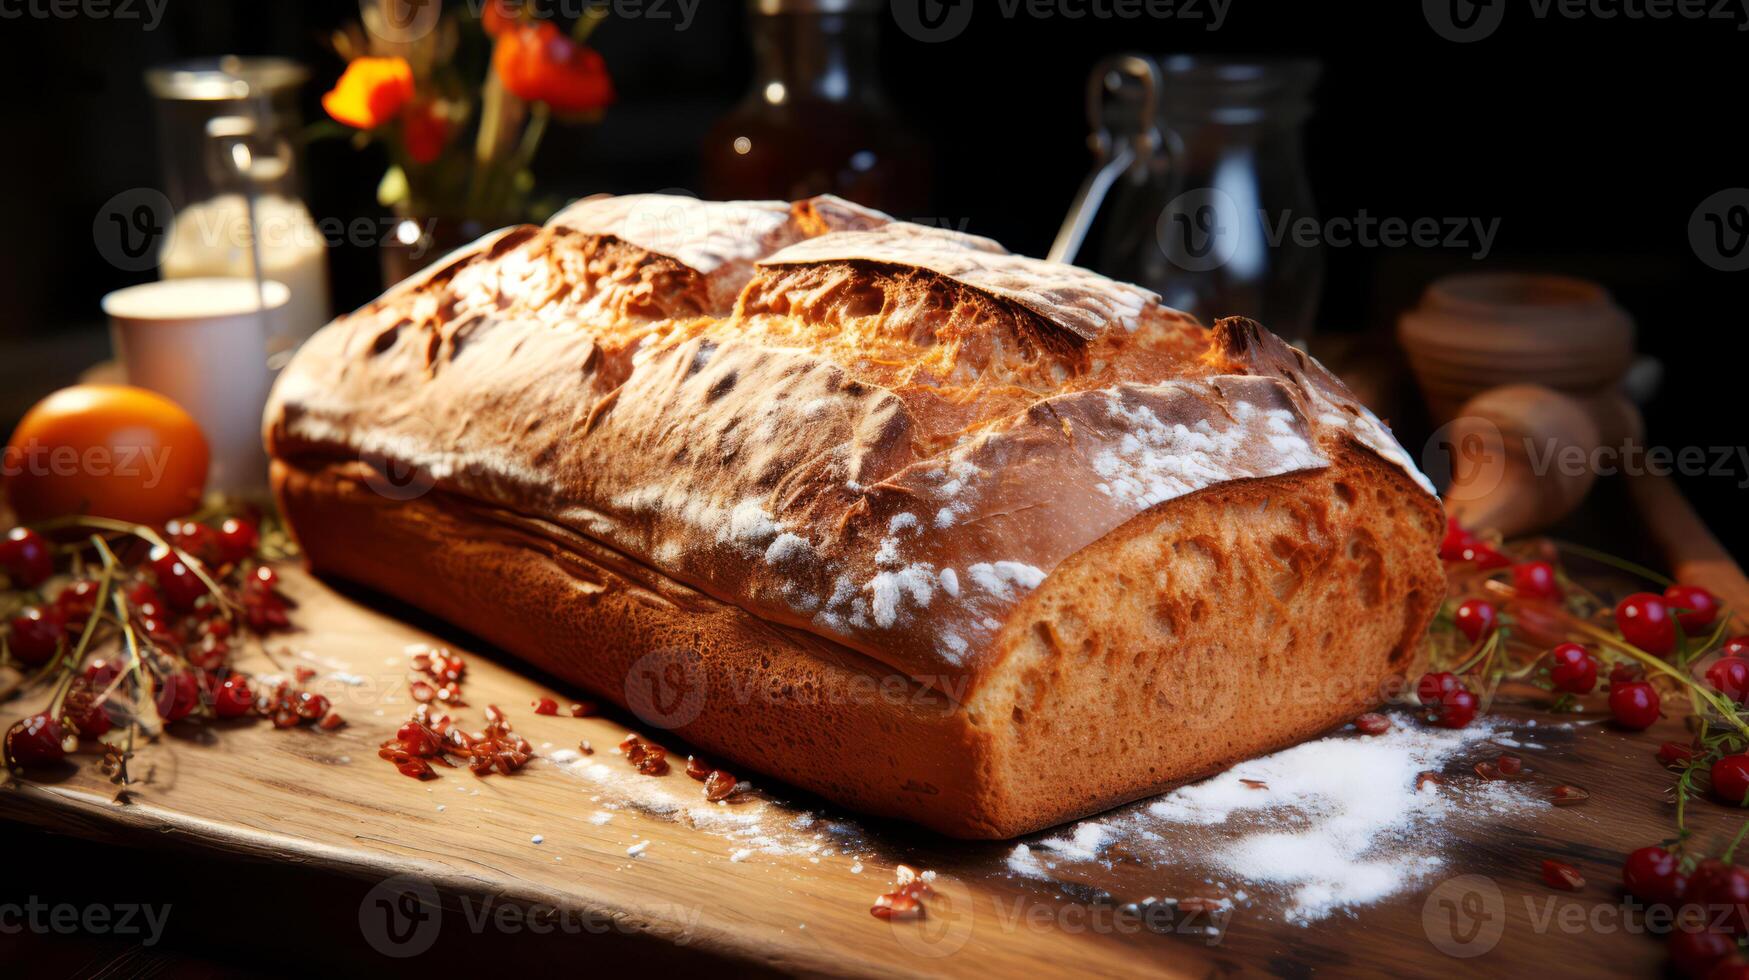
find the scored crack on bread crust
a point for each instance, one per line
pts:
(903, 442)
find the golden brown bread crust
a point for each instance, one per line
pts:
(886, 442)
(1120, 676)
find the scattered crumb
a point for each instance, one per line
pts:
(638, 849)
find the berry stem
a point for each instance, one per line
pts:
(1716, 701)
(1605, 558)
(145, 534)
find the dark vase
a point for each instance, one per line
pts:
(415, 243)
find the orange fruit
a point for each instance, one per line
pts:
(106, 451)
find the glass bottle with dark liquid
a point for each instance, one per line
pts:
(815, 120)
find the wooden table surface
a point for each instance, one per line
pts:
(397, 875)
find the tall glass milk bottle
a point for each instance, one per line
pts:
(227, 133)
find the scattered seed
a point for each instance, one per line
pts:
(1372, 723)
(895, 905)
(718, 785)
(1563, 876)
(1568, 796)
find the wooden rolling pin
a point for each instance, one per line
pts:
(1500, 437)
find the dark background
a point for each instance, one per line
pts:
(1592, 140)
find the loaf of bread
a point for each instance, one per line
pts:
(929, 529)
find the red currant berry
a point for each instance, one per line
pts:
(1730, 677)
(176, 579)
(93, 721)
(233, 699)
(1645, 622)
(1694, 607)
(196, 539)
(1536, 580)
(101, 674)
(1674, 753)
(266, 576)
(159, 631)
(1476, 618)
(1456, 709)
(77, 602)
(1729, 968)
(1731, 779)
(545, 706)
(26, 557)
(1722, 890)
(178, 695)
(1736, 646)
(1458, 542)
(1634, 704)
(1486, 558)
(1572, 669)
(1654, 876)
(1431, 687)
(35, 741)
(1694, 953)
(36, 635)
(146, 599)
(238, 539)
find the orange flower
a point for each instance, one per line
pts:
(500, 16)
(536, 63)
(370, 92)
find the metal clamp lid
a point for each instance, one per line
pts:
(1123, 96)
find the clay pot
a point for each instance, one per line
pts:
(1479, 331)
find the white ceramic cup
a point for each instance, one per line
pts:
(202, 343)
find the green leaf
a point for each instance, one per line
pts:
(392, 189)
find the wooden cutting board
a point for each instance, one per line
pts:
(788, 885)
